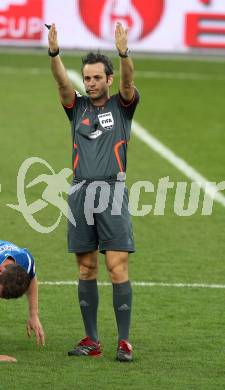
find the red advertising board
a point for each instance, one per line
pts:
(153, 25)
(134, 14)
(200, 35)
(21, 20)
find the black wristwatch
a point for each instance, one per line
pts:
(53, 53)
(125, 55)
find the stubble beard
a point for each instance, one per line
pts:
(100, 97)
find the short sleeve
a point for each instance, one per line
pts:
(31, 265)
(129, 107)
(69, 109)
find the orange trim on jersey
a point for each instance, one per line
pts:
(122, 101)
(86, 121)
(76, 158)
(71, 105)
(116, 151)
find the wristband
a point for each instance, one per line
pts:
(54, 53)
(125, 55)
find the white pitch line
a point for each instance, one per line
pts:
(139, 284)
(180, 164)
(144, 135)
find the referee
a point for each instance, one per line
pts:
(101, 126)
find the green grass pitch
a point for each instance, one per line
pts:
(177, 333)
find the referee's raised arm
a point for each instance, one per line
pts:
(65, 87)
(126, 63)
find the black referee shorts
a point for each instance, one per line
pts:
(99, 230)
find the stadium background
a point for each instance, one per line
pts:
(178, 326)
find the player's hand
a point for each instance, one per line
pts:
(33, 324)
(9, 359)
(52, 39)
(121, 36)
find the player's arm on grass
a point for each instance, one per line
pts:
(33, 323)
(126, 64)
(65, 87)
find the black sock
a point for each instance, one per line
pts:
(122, 301)
(88, 300)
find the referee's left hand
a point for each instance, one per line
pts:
(121, 37)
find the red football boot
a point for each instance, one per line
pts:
(124, 351)
(86, 347)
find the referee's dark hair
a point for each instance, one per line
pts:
(14, 281)
(94, 58)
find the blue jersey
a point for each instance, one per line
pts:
(21, 256)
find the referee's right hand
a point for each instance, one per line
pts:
(52, 39)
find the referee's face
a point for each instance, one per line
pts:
(96, 82)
